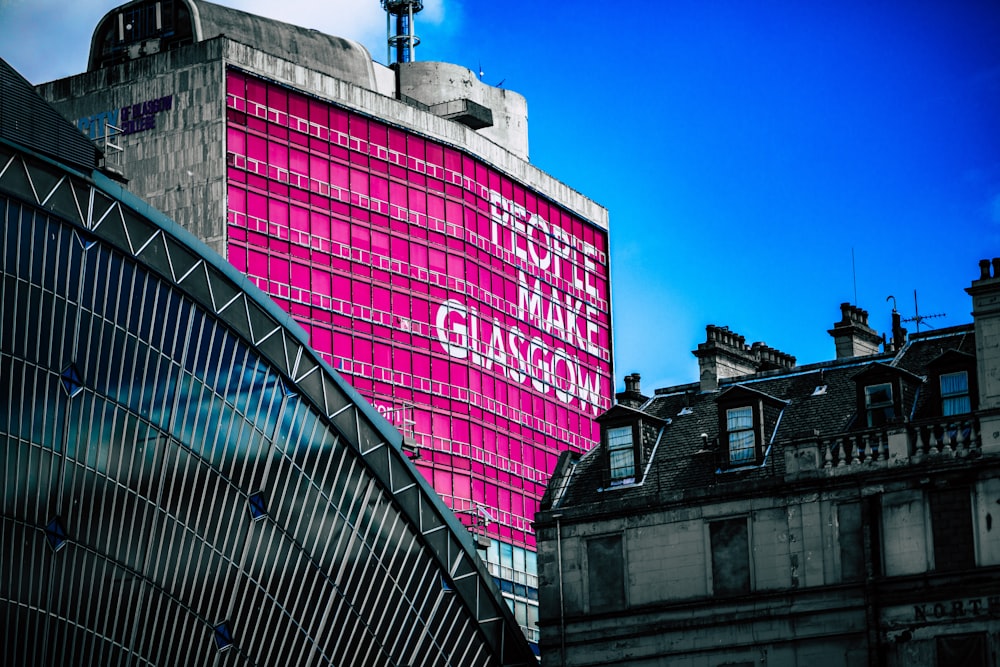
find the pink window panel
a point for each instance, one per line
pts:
(437, 261)
(277, 154)
(421, 365)
(298, 105)
(235, 83)
(442, 482)
(380, 299)
(256, 263)
(298, 161)
(359, 181)
(256, 147)
(277, 212)
(319, 224)
(277, 98)
(322, 340)
(238, 257)
(340, 230)
(256, 90)
(338, 120)
(300, 275)
(236, 141)
(321, 281)
(361, 238)
(237, 199)
(299, 219)
(402, 360)
(339, 174)
(319, 113)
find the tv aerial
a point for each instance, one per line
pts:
(917, 317)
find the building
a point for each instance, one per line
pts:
(184, 480)
(825, 515)
(393, 212)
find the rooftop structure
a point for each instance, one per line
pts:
(837, 513)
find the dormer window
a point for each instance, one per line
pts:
(741, 436)
(627, 438)
(955, 394)
(746, 417)
(621, 455)
(879, 405)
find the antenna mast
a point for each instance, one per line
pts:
(917, 317)
(404, 40)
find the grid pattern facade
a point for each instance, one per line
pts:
(180, 480)
(469, 310)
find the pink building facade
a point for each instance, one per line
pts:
(473, 313)
(457, 287)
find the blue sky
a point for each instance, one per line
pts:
(762, 160)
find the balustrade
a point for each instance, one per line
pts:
(893, 445)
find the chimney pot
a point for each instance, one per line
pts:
(984, 269)
(996, 267)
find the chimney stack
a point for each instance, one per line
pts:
(725, 354)
(985, 294)
(852, 335)
(632, 396)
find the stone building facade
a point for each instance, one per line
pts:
(837, 514)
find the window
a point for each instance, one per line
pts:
(730, 557)
(258, 506)
(223, 636)
(951, 522)
(55, 534)
(878, 404)
(621, 454)
(955, 393)
(969, 650)
(742, 442)
(851, 538)
(606, 573)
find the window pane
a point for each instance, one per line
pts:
(878, 400)
(622, 464)
(730, 557)
(619, 438)
(741, 446)
(739, 418)
(951, 521)
(877, 395)
(742, 440)
(605, 573)
(955, 393)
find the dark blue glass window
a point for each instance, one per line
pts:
(223, 636)
(71, 380)
(258, 508)
(55, 534)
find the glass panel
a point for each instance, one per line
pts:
(955, 393)
(742, 440)
(878, 400)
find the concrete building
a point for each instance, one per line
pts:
(393, 212)
(183, 480)
(827, 515)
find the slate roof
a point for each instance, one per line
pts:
(683, 466)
